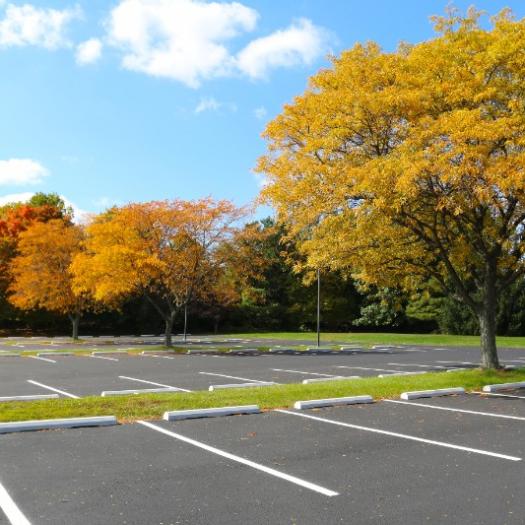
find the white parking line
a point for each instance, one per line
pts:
(157, 356)
(232, 377)
(303, 373)
(46, 359)
(367, 368)
(10, 508)
(67, 394)
(257, 466)
(458, 362)
(498, 395)
(437, 367)
(404, 436)
(102, 357)
(462, 410)
(153, 383)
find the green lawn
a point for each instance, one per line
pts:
(152, 406)
(385, 338)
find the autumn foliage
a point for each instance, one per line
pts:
(408, 167)
(166, 251)
(40, 273)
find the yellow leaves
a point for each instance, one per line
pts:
(164, 248)
(391, 160)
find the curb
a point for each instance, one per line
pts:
(319, 403)
(48, 424)
(241, 385)
(396, 374)
(55, 354)
(106, 352)
(503, 386)
(320, 350)
(29, 398)
(135, 391)
(324, 379)
(432, 393)
(177, 415)
(284, 351)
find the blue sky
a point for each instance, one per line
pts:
(107, 102)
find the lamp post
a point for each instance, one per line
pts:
(318, 308)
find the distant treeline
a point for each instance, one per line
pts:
(256, 284)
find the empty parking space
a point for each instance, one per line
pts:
(84, 375)
(386, 462)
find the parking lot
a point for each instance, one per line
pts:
(87, 375)
(381, 463)
(456, 459)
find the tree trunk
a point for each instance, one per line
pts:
(487, 326)
(167, 333)
(216, 321)
(185, 321)
(75, 321)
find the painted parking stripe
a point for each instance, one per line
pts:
(498, 395)
(232, 377)
(67, 394)
(458, 363)
(153, 383)
(368, 368)
(103, 357)
(46, 359)
(155, 356)
(303, 373)
(462, 410)
(10, 508)
(403, 436)
(238, 459)
(438, 367)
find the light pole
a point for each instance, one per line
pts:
(318, 308)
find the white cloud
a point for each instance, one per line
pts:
(178, 39)
(299, 44)
(106, 202)
(212, 104)
(207, 104)
(21, 171)
(80, 215)
(15, 197)
(260, 113)
(27, 25)
(89, 52)
(262, 180)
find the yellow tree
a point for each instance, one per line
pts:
(408, 166)
(40, 272)
(163, 250)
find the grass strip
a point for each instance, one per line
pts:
(369, 339)
(152, 406)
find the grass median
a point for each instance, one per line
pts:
(378, 338)
(152, 406)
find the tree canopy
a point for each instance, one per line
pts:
(408, 166)
(163, 250)
(41, 276)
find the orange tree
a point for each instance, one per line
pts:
(40, 273)
(164, 250)
(408, 166)
(16, 218)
